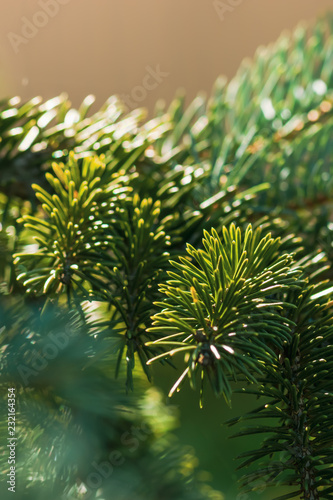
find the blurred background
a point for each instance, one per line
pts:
(144, 51)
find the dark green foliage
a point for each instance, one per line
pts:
(98, 243)
(207, 232)
(299, 399)
(71, 417)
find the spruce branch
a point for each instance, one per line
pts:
(272, 123)
(72, 416)
(35, 133)
(221, 308)
(141, 250)
(97, 242)
(298, 391)
(239, 306)
(73, 240)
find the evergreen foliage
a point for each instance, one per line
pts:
(205, 232)
(224, 310)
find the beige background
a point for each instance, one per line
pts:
(105, 46)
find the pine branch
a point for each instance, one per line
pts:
(35, 133)
(298, 388)
(73, 420)
(221, 309)
(241, 306)
(98, 243)
(74, 239)
(140, 247)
